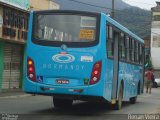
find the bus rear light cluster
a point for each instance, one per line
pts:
(31, 69)
(96, 73)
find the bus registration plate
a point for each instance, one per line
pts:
(62, 81)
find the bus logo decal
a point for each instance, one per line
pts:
(63, 47)
(63, 58)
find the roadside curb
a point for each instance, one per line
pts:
(157, 111)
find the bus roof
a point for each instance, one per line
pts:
(66, 11)
(124, 29)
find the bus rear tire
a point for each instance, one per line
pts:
(133, 100)
(62, 103)
(118, 104)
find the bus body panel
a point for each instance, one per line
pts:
(131, 75)
(108, 68)
(76, 72)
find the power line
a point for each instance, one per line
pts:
(102, 7)
(119, 11)
(155, 33)
(139, 2)
(112, 8)
(122, 13)
(142, 29)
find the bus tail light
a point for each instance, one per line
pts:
(96, 73)
(31, 69)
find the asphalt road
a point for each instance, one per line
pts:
(41, 108)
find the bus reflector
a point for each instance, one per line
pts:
(30, 62)
(96, 73)
(63, 53)
(31, 69)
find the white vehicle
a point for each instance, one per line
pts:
(157, 80)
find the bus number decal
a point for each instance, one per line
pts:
(87, 58)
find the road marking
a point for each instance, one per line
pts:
(147, 95)
(16, 96)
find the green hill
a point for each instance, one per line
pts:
(135, 19)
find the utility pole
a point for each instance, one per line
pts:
(112, 8)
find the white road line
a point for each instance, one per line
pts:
(147, 95)
(16, 96)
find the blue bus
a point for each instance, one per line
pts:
(78, 55)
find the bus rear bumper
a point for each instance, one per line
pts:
(73, 97)
(78, 91)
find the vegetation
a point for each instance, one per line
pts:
(135, 19)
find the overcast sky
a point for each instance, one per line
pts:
(144, 4)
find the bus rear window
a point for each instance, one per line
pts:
(65, 28)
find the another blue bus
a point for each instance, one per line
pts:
(77, 55)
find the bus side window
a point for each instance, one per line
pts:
(143, 50)
(122, 49)
(136, 52)
(127, 48)
(110, 44)
(130, 49)
(133, 50)
(141, 54)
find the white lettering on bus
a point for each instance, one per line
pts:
(49, 66)
(60, 66)
(44, 66)
(55, 66)
(72, 67)
(77, 67)
(66, 67)
(63, 67)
